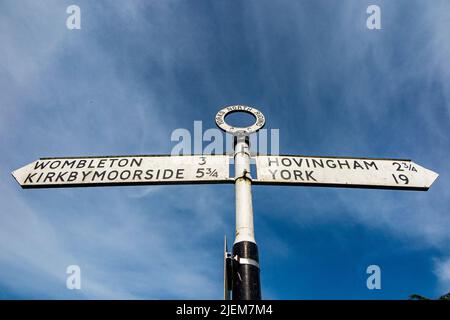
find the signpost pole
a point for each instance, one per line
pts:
(246, 283)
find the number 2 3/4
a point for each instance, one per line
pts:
(401, 178)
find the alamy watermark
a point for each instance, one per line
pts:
(373, 22)
(73, 280)
(215, 141)
(73, 21)
(374, 280)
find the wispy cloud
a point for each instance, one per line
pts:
(442, 270)
(137, 70)
(50, 107)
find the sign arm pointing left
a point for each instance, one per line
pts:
(123, 170)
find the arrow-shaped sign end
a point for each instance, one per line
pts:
(20, 174)
(429, 176)
(433, 177)
(16, 177)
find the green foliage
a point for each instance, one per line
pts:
(417, 297)
(445, 297)
(420, 297)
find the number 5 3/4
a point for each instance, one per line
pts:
(208, 171)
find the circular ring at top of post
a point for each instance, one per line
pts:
(260, 120)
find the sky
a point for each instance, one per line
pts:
(138, 70)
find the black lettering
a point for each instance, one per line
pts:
(128, 172)
(309, 176)
(68, 164)
(165, 176)
(285, 174)
(101, 163)
(273, 173)
(298, 175)
(30, 175)
(123, 162)
(286, 162)
(91, 166)
(40, 176)
(57, 162)
(98, 175)
(317, 163)
(113, 175)
(137, 174)
(60, 176)
(41, 165)
(307, 163)
(136, 162)
(298, 162)
(49, 177)
(73, 176)
(148, 174)
(180, 173)
(112, 162)
(356, 165)
(81, 164)
(273, 161)
(332, 165)
(370, 164)
(85, 174)
(345, 163)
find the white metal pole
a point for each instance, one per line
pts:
(243, 188)
(246, 283)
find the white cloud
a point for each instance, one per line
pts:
(121, 239)
(129, 243)
(442, 271)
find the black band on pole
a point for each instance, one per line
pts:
(246, 283)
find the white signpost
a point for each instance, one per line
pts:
(241, 275)
(123, 170)
(343, 172)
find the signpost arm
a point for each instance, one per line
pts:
(246, 283)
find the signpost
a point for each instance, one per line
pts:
(343, 172)
(123, 170)
(241, 266)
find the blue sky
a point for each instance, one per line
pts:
(137, 70)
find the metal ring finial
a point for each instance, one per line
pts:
(260, 120)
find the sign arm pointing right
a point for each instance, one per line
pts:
(345, 172)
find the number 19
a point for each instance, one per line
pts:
(400, 177)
